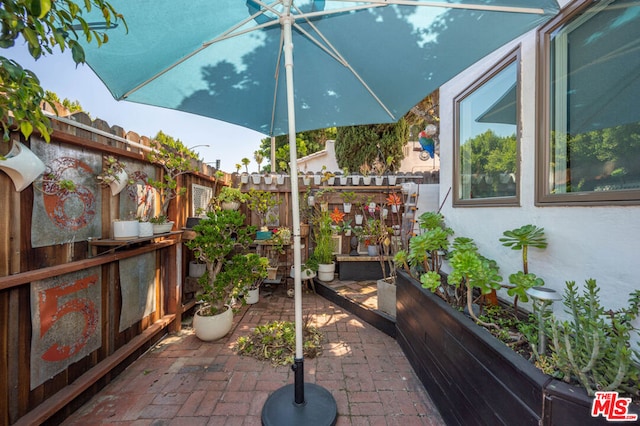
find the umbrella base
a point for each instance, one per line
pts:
(318, 409)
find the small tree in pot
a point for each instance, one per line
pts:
(221, 241)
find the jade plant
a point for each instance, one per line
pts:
(221, 241)
(176, 160)
(261, 202)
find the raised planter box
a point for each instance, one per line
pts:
(360, 268)
(471, 376)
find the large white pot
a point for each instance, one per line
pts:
(213, 327)
(386, 297)
(253, 296)
(125, 229)
(326, 271)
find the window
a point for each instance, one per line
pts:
(486, 152)
(590, 126)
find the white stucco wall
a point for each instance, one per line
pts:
(584, 242)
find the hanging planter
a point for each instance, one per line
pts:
(22, 166)
(244, 178)
(359, 219)
(371, 208)
(379, 180)
(344, 180)
(311, 201)
(355, 180)
(392, 179)
(280, 179)
(255, 178)
(366, 180)
(317, 179)
(268, 179)
(346, 207)
(306, 180)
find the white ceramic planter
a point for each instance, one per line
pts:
(145, 229)
(162, 228)
(346, 207)
(344, 180)
(366, 180)
(214, 327)
(230, 205)
(306, 274)
(359, 218)
(244, 178)
(392, 180)
(255, 179)
(22, 166)
(268, 179)
(379, 180)
(253, 296)
(317, 179)
(280, 179)
(125, 229)
(355, 180)
(306, 180)
(326, 271)
(117, 185)
(331, 181)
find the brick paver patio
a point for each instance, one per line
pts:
(184, 381)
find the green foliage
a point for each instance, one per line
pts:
(260, 202)
(229, 194)
(306, 143)
(521, 239)
(357, 145)
(176, 159)
(221, 235)
(323, 251)
(44, 25)
(593, 347)
(275, 341)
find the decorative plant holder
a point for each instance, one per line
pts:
(255, 179)
(306, 180)
(317, 179)
(125, 229)
(263, 235)
(373, 250)
(272, 273)
(366, 180)
(371, 208)
(326, 272)
(244, 178)
(391, 179)
(344, 180)
(213, 327)
(268, 179)
(22, 166)
(355, 180)
(162, 228)
(359, 218)
(117, 185)
(379, 180)
(197, 269)
(346, 207)
(331, 181)
(253, 296)
(306, 274)
(230, 205)
(311, 201)
(280, 179)
(145, 229)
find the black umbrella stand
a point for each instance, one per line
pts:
(299, 404)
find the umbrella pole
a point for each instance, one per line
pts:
(320, 408)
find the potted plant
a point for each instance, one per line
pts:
(323, 251)
(348, 197)
(230, 198)
(114, 175)
(258, 266)
(176, 160)
(344, 178)
(261, 202)
(221, 242)
(365, 169)
(379, 168)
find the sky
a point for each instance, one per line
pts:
(58, 73)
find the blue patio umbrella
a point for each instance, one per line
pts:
(356, 62)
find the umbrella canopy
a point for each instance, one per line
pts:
(356, 62)
(352, 66)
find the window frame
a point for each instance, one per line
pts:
(543, 197)
(513, 56)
